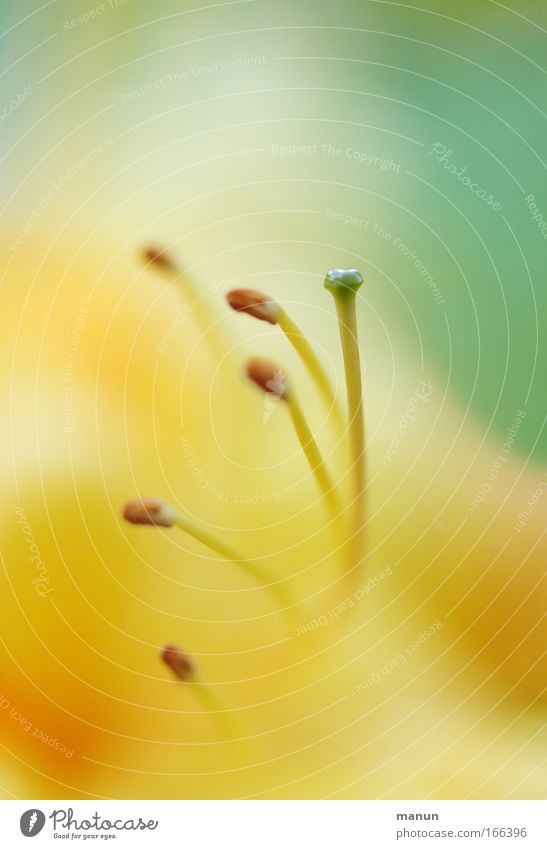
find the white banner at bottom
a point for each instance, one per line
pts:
(269, 824)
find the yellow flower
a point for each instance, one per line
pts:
(420, 678)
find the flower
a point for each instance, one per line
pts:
(386, 687)
(422, 678)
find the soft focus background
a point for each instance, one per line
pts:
(264, 143)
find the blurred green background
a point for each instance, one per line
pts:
(252, 135)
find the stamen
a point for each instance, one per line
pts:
(265, 308)
(343, 284)
(160, 259)
(268, 377)
(196, 301)
(149, 511)
(178, 661)
(184, 669)
(254, 303)
(153, 511)
(271, 379)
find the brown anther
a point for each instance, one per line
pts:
(149, 511)
(268, 377)
(159, 257)
(254, 303)
(178, 661)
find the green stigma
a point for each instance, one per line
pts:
(339, 280)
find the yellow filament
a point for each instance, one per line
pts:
(216, 543)
(345, 307)
(227, 719)
(308, 356)
(313, 455)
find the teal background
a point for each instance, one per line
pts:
(192, 162)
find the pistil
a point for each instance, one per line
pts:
(343, 284)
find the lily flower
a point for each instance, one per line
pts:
(276, 481)
(394, 685)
